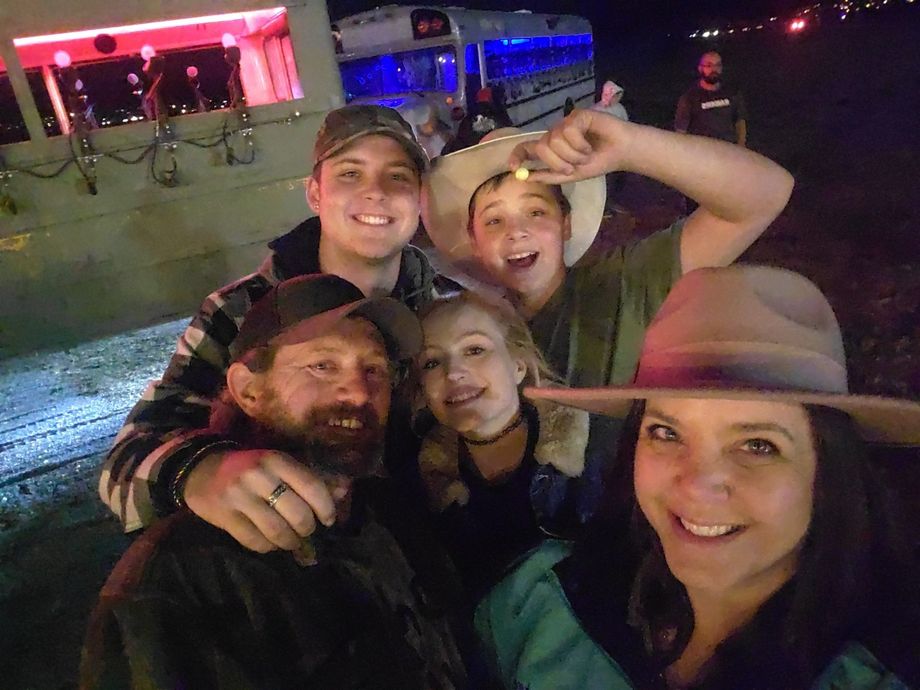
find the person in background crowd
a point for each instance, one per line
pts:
(609, 102)
(482, 117)
(365, 188)
(432, 134)
(711, 109)
(745, 541)
(366, 602)
(525, 233)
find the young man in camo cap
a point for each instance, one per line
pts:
(365, 188)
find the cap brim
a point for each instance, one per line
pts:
(879, 419)
(398, 325)
(455, 177)
(415, 151)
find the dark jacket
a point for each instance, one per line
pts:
(479, 121)
(188, 607)
(554, 626)
(555, 490)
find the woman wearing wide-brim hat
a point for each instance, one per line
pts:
(526, 235)
(744, 541)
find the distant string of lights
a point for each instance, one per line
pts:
(846, 6)
(799, 20)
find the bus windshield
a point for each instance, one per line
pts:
(427, 69)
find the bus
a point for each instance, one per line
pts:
(148, 150)
(394, 55)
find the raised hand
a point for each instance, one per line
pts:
(587, 143)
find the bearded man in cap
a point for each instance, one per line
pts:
(362, 604)
(365, 189)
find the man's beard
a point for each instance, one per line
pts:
(320, 445)
(712, 78)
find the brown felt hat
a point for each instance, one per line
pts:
(748, 333)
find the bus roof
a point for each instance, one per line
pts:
(360, 32)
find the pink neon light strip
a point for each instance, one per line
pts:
(133, 28)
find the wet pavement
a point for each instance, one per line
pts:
(60, 414)
(61, 411)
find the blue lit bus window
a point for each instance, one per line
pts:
(428, 69)
(517, 56)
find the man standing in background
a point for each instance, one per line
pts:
(709, 108)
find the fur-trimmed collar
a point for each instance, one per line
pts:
(562, 443)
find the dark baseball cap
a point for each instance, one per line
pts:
(307, 307)
(345, 125)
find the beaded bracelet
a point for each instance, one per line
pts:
(177, 486)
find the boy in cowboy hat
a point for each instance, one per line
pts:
(525, 233)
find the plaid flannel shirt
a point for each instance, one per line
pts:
(168, 425)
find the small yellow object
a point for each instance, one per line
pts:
(522, 174)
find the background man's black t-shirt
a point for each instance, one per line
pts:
(710, 113)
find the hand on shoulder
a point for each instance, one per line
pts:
(231, 489)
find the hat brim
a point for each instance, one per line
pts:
(411, 147)
(455, 177)
(395, 321)
(882, 420)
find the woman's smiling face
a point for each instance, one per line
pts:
(469, 377)
(728, 486)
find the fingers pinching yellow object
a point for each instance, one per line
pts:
(522, 174)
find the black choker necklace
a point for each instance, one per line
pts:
(514, 424)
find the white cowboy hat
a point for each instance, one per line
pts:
(748, 333)
(455, 177)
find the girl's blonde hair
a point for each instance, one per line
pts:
(518, 338)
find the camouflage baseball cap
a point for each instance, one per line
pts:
(344, 125)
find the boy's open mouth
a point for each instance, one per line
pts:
(522, 259)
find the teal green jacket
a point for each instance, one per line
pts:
(540, 644)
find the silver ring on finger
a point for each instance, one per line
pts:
(276, 494)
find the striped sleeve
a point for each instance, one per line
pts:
(168, 424)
